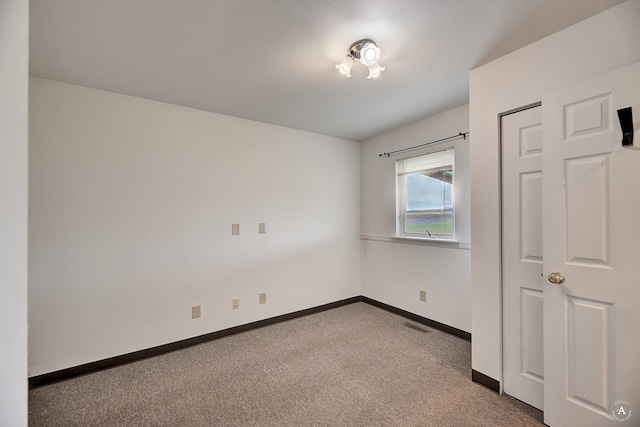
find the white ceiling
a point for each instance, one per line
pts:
(273, 60)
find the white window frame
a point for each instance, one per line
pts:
(417, 164)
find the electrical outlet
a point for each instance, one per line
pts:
(262, 228)
(263, 298)
(423, 296)
(235, 304)
(235, 229)
(195, 311)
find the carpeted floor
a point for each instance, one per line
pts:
(356, 365)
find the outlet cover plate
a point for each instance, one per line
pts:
(423, 296)
(195, 311)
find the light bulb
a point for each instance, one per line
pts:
(369, 54)
(375, 70)
(345, 67)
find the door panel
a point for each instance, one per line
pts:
(590, 339)
(531, 217)
(531, 334)
(587, 117)
(587, 209)
(523, 367)
(591, 205)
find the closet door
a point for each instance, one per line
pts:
(523, 371)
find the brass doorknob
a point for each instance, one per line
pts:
(556, 278)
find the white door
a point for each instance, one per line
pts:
(591, 221)
(522, 256)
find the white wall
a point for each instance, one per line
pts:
(14, 69)
(604, 42)
(394, 271)
(131, 206)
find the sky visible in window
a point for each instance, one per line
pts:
(424, 193)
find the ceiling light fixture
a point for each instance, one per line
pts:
(367, 53)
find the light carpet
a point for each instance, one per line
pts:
(356, 365)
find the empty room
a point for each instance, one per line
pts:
(287, 213)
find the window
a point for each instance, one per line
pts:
(425, 193)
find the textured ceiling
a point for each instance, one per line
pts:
(273, 60)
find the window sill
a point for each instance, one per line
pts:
(443, 243)
(426, 239)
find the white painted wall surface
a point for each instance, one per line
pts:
(395, 271)
(14, 69)
(602, 43)
(132, 203)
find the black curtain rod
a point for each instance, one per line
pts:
(461, 134)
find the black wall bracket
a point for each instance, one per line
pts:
(626, 123)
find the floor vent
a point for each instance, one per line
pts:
(416, 328)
